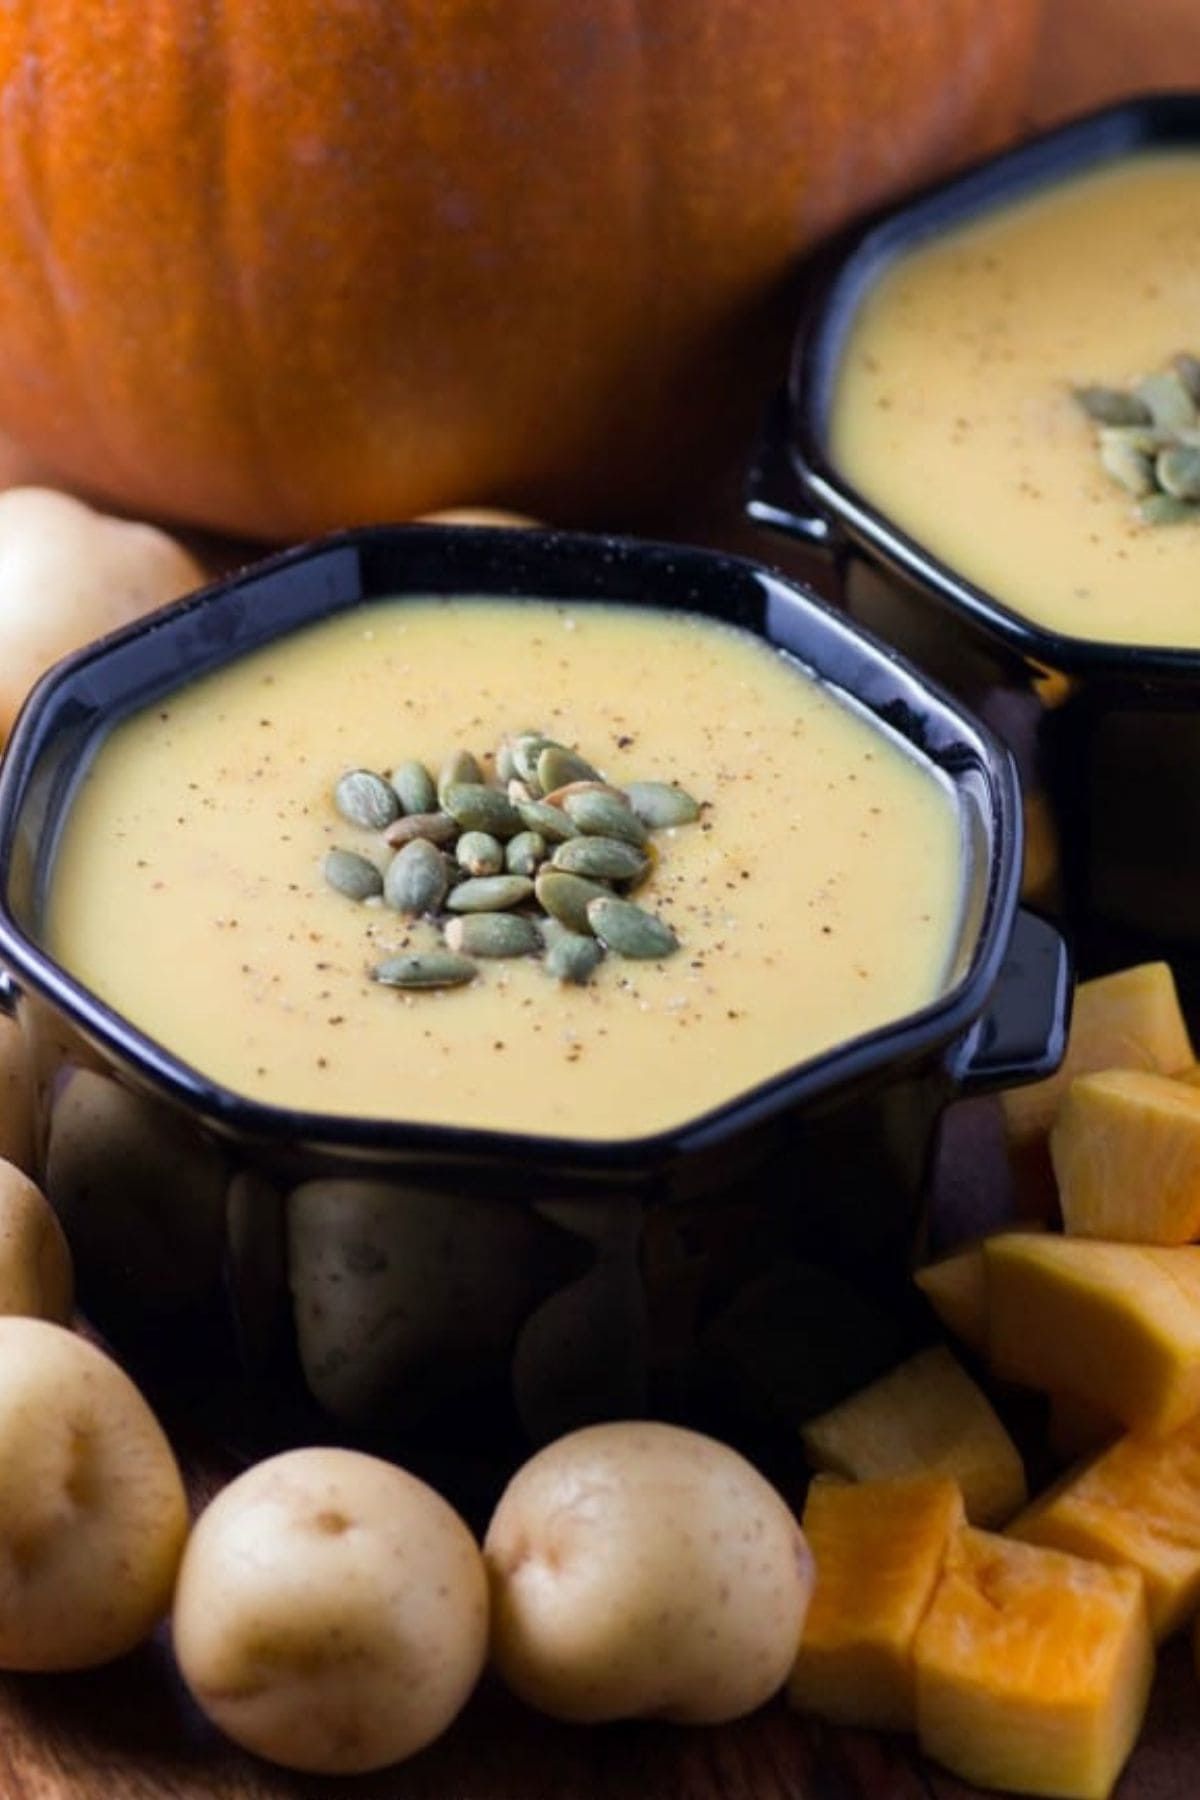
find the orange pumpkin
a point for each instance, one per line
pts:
(277, 265)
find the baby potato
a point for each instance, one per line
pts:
(332, 1612)
(640, 1570)
(35, 1264)
(69, 574)
(16, 1096)
(93, 1513)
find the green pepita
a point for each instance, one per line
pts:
(415, 881)
(506, 768)
(630, 930)
(414, 787)
(567, 897)
(489, 893)
(1187, 368)
(1113, 406)
(551, 822)
(599, 815)
(526, 749)
(479, 853)
(574, 958)
(458, 767)
(477, 807)
(1167, 399)
(1178, 471)
(1132, 468)
(493, 934)
(1166, 509)
(425, 969)
(353, 875)
(601, 859)
(366, 799)
(660, 805)
(556, 766)
(437, 827)
(525, 853)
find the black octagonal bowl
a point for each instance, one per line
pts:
(1107, 735)
(476, 1284)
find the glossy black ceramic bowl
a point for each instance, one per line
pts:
(1115, 754)
(410, 1276)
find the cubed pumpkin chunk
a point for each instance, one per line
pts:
(927, 1417)
(1116, 1324)
(956, 1288)
(878, 1548)
(1129, 1020)
(1126, 1153)
(1138, 1503)
(1033, 1668)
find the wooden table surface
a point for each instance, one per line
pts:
(129, 1732)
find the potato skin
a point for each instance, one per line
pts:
(641, 1570)
(331, 1613)
(36, 1278)
(93, 1512)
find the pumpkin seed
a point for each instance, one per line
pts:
(489, 893)
(459, 767)
(524, 854)
(353, 875)
(1148, 438)
(659, 804)
(552, 929)
(600, 859)
(1132, 468)
(566, 897)
(556, 766)
(366, 799)
(527, 747)
(1166, 509)
(1188, 370)
(601, 816)
(574, 958)
(506, 768)
(437, 827)
(415, 881)
(480, 808)
(425, 969)
(1167, 399)
(558, 795)
(629, 930)
(549, 821)
(493, 934)
(414, 787)
(479, 853)
(518, 790)
(1178, 471)
(1113, 406)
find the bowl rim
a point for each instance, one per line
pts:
(1142, 123)
(847, 1066)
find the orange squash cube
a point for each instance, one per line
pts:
(1126, 1154)
(926, 1417)
(878, 1548)
(1118, 1325)
(956, 1288)
(1128, 1020)
(1033, 1668)
(1137, 1503)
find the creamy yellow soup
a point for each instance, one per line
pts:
(953, 411)
(818, 896)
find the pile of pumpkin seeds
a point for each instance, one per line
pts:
(1148, 438)
(539, 861)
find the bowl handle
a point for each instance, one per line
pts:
(1023, 1032)
(774, 493)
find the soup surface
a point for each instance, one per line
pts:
(953, 410)
(818, 896)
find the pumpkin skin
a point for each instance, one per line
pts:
(274, 266)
